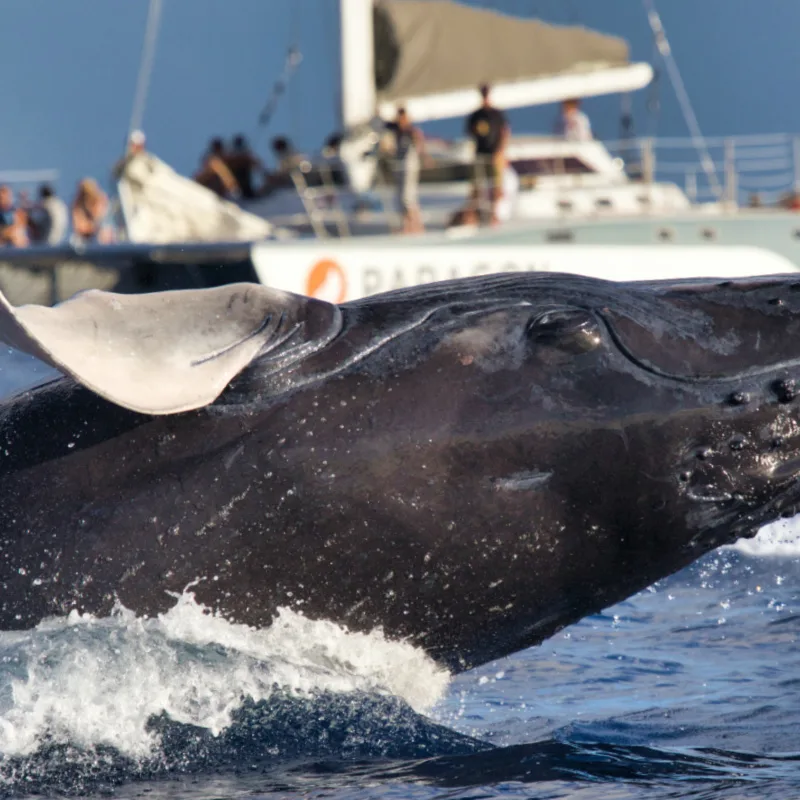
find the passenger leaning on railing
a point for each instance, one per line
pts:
(48, 220)
(90, 209)
(572, 123)
(407, 148)
(490, 131)
(13, 221)
(214, 173)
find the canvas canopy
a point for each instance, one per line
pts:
(427, 47)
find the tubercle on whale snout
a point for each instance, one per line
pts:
(747, 466)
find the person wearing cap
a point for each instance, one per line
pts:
(136, 144)
(490, 132)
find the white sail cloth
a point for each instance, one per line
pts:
(162, 207)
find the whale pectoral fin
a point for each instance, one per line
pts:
(164, 352)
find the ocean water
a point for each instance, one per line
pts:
(689, 689)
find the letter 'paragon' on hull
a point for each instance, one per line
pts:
(470, 465)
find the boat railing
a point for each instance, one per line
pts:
(750, 170)
(755, 170)
(26, 182)
(27, 177)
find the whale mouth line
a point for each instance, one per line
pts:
(732, 380)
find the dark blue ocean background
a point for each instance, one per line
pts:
(688, 689)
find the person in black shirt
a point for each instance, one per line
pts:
(489, 130)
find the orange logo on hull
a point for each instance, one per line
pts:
(326, 281)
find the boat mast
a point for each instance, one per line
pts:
(145, 65)
(357, 62)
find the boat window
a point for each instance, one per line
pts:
(603, 202)
(560, 235)
(453, 172)
(550, 166)
(708, 233)
(666, 234)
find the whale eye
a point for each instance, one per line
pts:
(572, 329)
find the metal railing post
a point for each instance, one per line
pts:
(796, 161)
(731, 188)
(691, 185)
(330, 189)
(648, 159)
(301, 186)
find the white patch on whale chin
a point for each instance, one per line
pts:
(93, 681)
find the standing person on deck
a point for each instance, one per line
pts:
(408, 148)
(490, 132)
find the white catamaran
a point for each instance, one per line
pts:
(633, 209)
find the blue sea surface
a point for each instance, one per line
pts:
(689, 689)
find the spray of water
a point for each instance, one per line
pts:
(91, 681)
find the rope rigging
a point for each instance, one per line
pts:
(665, 51)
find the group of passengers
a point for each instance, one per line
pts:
(46, 221)
(235, 172)
(492, 175)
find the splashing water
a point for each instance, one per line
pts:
(90, 681)
(781, 538)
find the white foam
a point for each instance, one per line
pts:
(781, 538)
(97, 681)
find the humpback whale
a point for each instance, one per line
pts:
(470, 465)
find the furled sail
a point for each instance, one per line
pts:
(160, 207)
(430, 55)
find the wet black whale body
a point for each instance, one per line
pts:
(471, 465)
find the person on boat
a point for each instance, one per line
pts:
(136, 146)
(48, 220)
(490, 132)
(90, 209)
(214, 173)
(285, 154)
(474, 212)
(572, 123)
(243, 164)
(13, 220)
(407, 147)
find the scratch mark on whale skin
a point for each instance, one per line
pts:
(521, 481)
